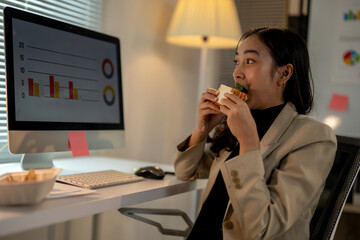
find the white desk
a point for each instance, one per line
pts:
(18, 219)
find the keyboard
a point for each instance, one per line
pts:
(92, 180)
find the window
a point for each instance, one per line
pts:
(83, 13)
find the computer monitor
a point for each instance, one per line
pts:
(60, 78)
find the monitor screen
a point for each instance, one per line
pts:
(60, 78)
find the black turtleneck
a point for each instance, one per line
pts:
(208, 224)
(264, 118)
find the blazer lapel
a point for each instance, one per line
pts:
(215, 168)
(224, 156)
(271, 139)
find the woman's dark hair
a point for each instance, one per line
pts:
(285, 47)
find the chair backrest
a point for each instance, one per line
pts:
(337, 188)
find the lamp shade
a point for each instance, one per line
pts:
(216, 21)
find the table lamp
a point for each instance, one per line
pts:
(204, 24)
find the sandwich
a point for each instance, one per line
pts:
(240, 91)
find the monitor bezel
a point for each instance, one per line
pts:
(11, 13)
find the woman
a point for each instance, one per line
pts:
(267, 162)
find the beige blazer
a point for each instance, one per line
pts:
(273, 191)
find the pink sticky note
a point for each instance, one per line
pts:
(78, 144)
(339, 102)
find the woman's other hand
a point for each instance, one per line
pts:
(241, 123)
(209, 116)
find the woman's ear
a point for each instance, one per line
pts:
(286, 72)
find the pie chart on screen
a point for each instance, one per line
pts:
(351, 57)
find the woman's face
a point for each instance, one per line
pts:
(255, 71)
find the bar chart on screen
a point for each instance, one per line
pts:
(53, 88)
(81, 85)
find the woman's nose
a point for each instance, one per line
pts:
(237, 74)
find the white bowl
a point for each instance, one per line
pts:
(29, 192)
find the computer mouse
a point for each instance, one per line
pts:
(153, 172)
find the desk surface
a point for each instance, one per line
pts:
(52, 211)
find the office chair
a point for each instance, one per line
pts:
(337, 188)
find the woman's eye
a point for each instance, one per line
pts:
(236, 62)
(248, 61)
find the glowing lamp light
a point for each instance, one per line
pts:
(332, 121)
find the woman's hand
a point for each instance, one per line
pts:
(209, 116)
(241, 123)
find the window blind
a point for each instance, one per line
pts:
(83, 13)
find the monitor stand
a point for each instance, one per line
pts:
(37, 160)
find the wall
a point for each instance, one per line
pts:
(159, 79)
(324, 19)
